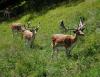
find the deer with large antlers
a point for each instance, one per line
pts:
(67, 40)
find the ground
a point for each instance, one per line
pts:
(20, 61)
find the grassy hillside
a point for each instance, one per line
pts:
(17, 60)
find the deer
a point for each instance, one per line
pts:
(29, 35)
(16, 28)
(66, 40)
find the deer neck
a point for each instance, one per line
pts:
(75, 37)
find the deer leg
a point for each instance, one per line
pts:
(31, 44)
(26, 42)
(67, 51)
(54, 48)
(53, 51)
(71, 48)
(13, 33)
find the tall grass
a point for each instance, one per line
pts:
(17, 60)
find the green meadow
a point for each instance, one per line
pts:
(18, 60)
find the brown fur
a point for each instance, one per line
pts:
(16, 27)
(65, 40)
(61, 39)
(29, 35)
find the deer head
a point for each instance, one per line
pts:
(80, 28)
(34, 30)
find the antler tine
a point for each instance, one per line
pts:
(81, 25)
(69, 29)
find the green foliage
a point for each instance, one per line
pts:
(17, 60)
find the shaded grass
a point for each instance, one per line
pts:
(20, 61)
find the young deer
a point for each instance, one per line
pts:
(67, 40)
(29, 35)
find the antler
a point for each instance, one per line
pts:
(81, 25)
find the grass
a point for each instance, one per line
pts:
(16, 60)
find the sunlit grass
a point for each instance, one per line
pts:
(18, 60)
